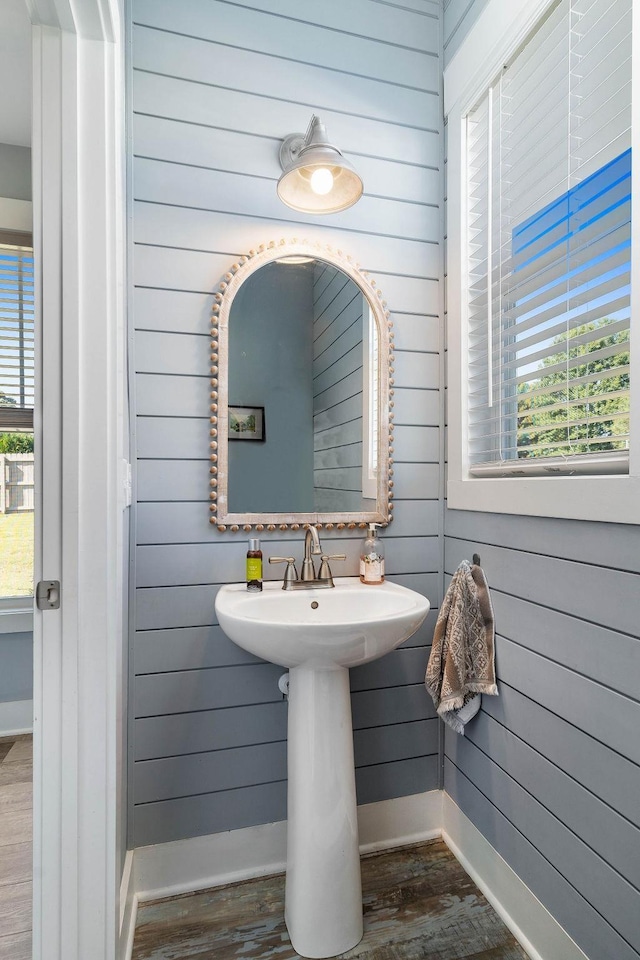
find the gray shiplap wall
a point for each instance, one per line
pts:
(550, 770)
(337, 391)
(216, 85)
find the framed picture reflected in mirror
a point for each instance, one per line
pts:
(246, 423)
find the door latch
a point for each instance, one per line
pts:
(48, 595)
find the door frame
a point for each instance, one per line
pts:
(79, 253)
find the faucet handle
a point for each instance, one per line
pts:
(325, 569)
(290, 574)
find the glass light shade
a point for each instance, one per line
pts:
(301, 158)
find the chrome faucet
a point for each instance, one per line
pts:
(308, 576)
(311, 545)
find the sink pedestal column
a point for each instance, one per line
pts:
(323, 907)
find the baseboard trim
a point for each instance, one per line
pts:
(182, 866)
(396, 823)
(535, 929)
(16, 717)
(128, 908)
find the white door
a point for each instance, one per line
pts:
(79, 253)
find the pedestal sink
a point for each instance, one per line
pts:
(318, 634)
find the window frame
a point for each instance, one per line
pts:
(492, 41)
(16, 613)
(19, 419)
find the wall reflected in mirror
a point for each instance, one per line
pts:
(303, 344)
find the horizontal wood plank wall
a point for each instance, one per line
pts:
(549, 771)
(337, 391)
(216, 85)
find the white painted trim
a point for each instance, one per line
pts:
(129, 932)
(539, 934)
(18, 620)
(16, 716)
(79, 249)
(634, 376)
(184, 866)
(16, 215)
(607, 499)
(492, 40)
(396, 823)
(480, 56)
(128, 909)
(181, 866)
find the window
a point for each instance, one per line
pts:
(16, 418)
(16, 332)
(540, 243)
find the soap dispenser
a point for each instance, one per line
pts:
(254, 566)
(372, 558)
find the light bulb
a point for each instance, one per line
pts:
(321, 181)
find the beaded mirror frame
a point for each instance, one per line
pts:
(240, 271)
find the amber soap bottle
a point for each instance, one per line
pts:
(254, 565)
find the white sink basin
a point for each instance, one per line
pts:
(346, 625)
(318, 634)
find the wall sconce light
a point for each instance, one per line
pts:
(316, 177)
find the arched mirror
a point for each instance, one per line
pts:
(300, 392)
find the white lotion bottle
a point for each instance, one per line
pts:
(372, 558)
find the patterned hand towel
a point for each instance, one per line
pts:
(461, 665)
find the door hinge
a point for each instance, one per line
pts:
(48, 595)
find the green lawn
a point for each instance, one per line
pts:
(16, 554)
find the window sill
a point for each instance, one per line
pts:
(612, 499)
(16, 615)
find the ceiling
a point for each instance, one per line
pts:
(15, 73)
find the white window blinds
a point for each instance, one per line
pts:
(16, 336)
(548, 249)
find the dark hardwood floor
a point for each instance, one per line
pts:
(16, 776)
(419, 904)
